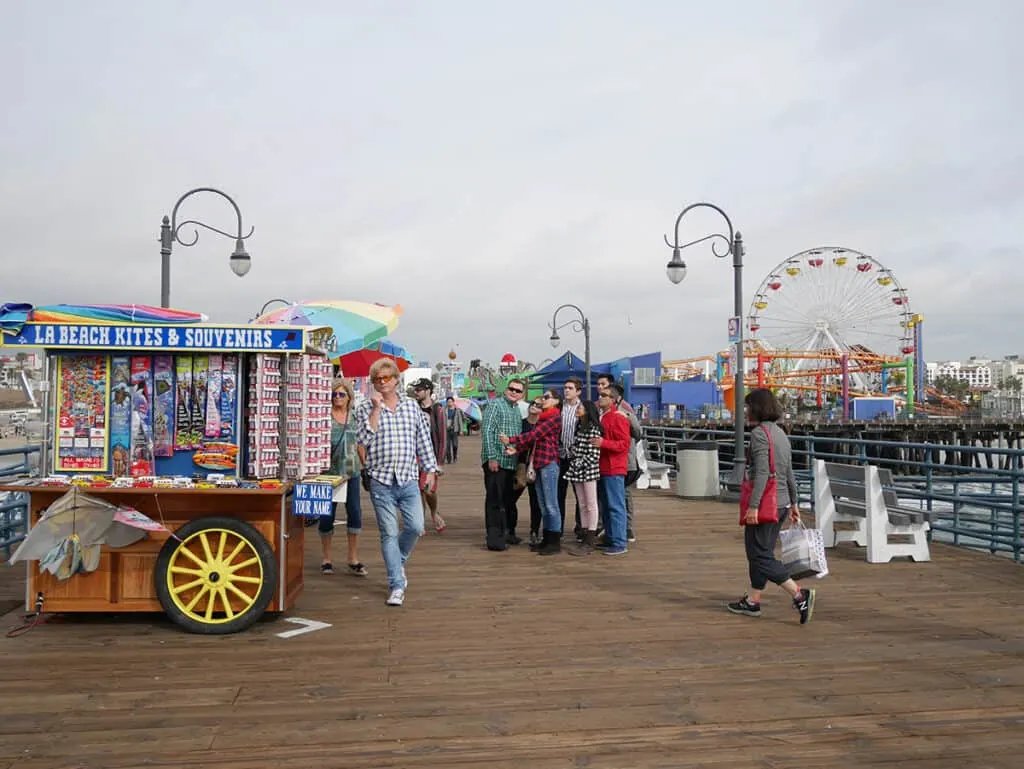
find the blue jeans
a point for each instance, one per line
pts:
(547, 496)
(612, 491)
(353, 511)
(396, 548)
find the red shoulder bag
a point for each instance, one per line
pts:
(768, 509)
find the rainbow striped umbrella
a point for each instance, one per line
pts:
(470, 408)
(355, 325)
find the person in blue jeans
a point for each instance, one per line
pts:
(346, 463)
(611, 488)
(396, 442)
(544, 440)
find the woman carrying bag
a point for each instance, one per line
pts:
(346, 461)
(764, 504)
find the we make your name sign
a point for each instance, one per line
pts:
(312, 500)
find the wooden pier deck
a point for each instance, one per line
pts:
(504, 660)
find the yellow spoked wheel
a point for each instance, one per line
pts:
(219, 576)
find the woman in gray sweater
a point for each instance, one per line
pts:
(759, 539)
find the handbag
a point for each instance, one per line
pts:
(768, 509)
(803, 552)
(525, 474)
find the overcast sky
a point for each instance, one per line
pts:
(481, 163)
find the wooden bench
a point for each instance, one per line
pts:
(863, 495)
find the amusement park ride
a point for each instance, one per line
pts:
(483, 382)
(834, 323)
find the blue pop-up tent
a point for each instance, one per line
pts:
(569, 365)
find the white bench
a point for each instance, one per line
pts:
(655, 477)
(863, 496)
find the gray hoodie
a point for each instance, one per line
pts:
(757, 465)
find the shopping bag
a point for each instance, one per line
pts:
(803, 552)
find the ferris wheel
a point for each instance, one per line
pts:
(833, 300)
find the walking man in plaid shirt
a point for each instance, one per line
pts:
(501, 417)
(395, 435)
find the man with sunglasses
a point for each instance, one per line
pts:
(398, 446)
(501, 417)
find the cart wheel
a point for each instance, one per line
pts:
(218, 577)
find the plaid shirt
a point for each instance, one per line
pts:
(401, 438)
(500, 418)
(543, 438)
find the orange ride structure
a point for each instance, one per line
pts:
(829, 321)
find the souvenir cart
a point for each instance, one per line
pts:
(182, 422)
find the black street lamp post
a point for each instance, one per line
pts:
(169, 234)
(581, 324)
(676, 269)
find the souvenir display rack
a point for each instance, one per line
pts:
(165, 419)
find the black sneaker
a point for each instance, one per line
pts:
(804, 603)
(326, 568)
(745, 607)
(630, 536)
(512, 539)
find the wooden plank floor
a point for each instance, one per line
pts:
(504, 660)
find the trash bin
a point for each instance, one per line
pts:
(698, 470)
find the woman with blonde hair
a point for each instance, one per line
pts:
(345, 462)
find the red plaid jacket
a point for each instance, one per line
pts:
(544, 438)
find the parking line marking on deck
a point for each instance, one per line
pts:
(309, 625)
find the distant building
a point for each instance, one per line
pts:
(978, 372)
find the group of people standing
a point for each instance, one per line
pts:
(393, 447)
(563, 441)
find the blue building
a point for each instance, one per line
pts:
(640, 377)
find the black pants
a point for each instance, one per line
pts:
(759, 542)
(452, 448)
(500, 514)
(536, 516)
(563, 492)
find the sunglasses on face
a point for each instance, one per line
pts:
(341, 394)
(515, 390)
(383, 378)
(537, 405)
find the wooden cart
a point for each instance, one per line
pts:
(236, 554)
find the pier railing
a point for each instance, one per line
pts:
(973, 493)
(13, 506)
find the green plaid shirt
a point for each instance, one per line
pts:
(500, 418)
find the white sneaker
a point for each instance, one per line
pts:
(397, 597)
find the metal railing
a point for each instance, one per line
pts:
(973, 494)
(13, 506)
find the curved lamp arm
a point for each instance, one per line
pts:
(176, 226)
(714, 238)
(578, 324)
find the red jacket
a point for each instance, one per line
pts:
(615, 447)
